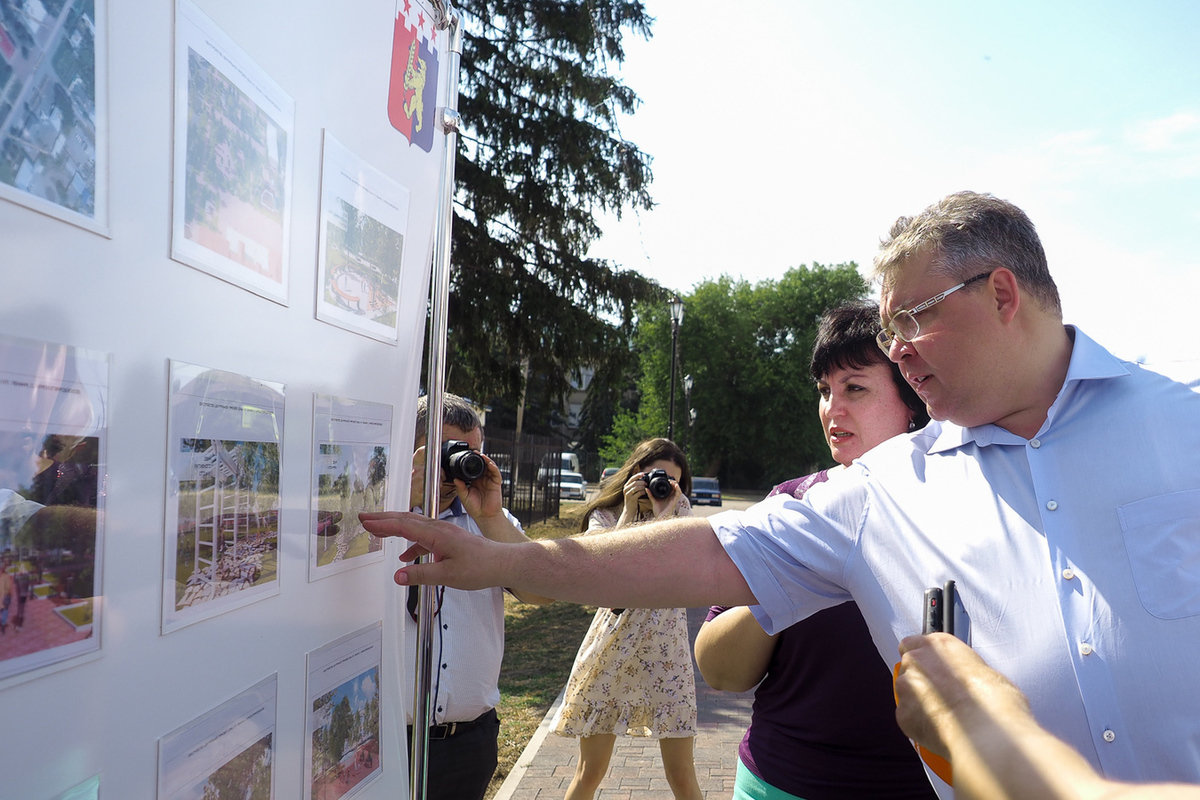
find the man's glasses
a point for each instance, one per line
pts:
(904, 325)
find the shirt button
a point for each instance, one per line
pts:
(1068, 574)
(1052, 505)
(1085, 649)
(1109, 736)
(1035, 443)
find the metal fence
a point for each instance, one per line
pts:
(531, 470)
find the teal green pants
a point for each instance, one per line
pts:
(751, 787)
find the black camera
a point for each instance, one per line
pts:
(460, 462)
(658, 484)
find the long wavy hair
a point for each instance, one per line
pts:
(612, 490)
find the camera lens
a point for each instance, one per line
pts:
(460, 462)
(658, 484)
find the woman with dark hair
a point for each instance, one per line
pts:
(633, 673)
(823, 725)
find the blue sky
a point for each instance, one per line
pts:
(799, 134)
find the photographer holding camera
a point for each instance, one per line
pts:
(468, 629)
(633, 674)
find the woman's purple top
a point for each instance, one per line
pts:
(824, 720)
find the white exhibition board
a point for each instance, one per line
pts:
(92, 724)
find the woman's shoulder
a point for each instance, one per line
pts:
(602, 518)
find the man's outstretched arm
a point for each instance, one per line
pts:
(669, 564)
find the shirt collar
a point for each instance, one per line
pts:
(1089, 362)
(455, 510)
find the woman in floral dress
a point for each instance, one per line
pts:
(633, 674)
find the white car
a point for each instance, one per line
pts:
(572, 486)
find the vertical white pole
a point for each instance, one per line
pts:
(439, 290)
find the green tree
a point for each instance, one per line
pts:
(246, 776)
(341, 722)
(747, 348)
(541, 156)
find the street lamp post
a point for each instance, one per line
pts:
(676, 321)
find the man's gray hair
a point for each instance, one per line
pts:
(966, 233)
(456, 412)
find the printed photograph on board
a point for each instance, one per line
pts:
(342, 746)
(222, 532)
(350, 475)
(234, 135)
(364, 219)
(228, 752)
(53, 408)
(54, 109)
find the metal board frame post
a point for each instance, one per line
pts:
(439, 290)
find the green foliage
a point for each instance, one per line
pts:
(628, 430)
(339, 730)
(541, 156)
(246, 776)
(747, 348)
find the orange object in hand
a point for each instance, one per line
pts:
(940, 766)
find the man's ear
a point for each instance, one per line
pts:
(1006, 292)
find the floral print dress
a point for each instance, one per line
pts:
(633, 673)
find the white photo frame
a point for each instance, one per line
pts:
(53, 454)
(224, 458)
(360, 250)
(236, 737)
(350, 473)
(343, 695)
(56, 155)
(234, 139)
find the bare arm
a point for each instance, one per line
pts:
(950, 701)
(483, 499)
(733, 651)
(669, 564)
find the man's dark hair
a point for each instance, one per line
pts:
(456, 412)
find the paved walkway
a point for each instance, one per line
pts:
(545, 768)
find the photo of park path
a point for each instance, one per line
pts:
(353, 479)
(345, 740)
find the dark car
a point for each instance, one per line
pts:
(706, 491)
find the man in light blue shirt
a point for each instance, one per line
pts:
(1060, 490)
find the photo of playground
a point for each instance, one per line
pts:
(345, 739)
(48, 541)
(350, 478)
(362, 265)
(228, 530)
(246, 776)
(236, 172)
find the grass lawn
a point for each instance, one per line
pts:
(540, 643)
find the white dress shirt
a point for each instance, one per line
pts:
(1076, 555)
(467, 641)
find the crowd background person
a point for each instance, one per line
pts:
(633, 673)
(468, 626)
(823, 725)
(951, 702)
(8, 593)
